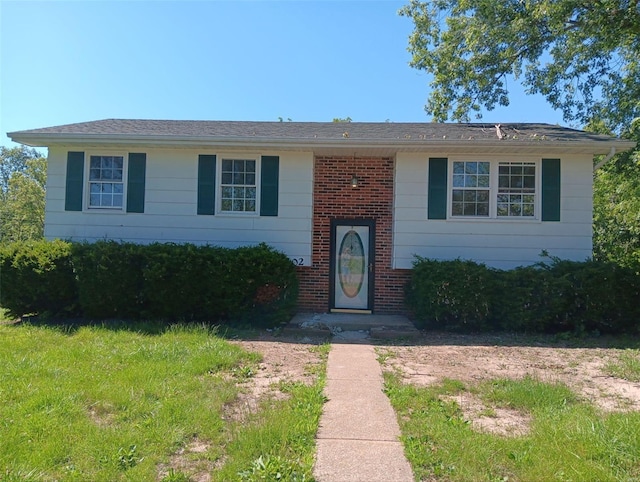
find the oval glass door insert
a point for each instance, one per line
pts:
(351, 264)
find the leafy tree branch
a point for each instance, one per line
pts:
(582, 55)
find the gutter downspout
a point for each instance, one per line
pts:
(612, 153)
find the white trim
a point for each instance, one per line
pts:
(548, 147)
(86, 189)
(218, 187)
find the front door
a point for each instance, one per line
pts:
(352, 265)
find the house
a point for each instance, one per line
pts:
(351, 204)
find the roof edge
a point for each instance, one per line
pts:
(47, 140)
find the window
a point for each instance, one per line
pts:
(106, 184)
(471, 182)
(492, 189)
(516, 189)
(230, 185)
(99, 183)
(238, 185)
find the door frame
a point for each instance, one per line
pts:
(371, 224)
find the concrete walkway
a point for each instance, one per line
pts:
(358, 436)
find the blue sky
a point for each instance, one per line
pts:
(76, 61)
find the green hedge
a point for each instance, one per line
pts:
(111, 280)
(109, 276)
(37, 277)
(559, 296)
(254, 284)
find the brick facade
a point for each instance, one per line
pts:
(334, 198)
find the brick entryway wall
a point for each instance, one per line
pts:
(334, 197)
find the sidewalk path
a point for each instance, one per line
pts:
(358, 436)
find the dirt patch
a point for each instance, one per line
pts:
(284, 360)
(429, 360)
(473, 359)
(187, 461)
(497, 420)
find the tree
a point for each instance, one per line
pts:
(582, 55)
(616, 205)
(22, 194)
(342, 119)
(14, 160)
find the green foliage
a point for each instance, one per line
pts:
(23, 174)
(174, 476)
(266, 283)
(13, 160)
(451, 294)
(110, 279)
(186, 281)
(273, 469)
(253, 285)
(560, 296)
(37, 277)
(616, 206)
(581, 55)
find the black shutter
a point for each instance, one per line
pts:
(551, 189)
(136, 182)
(206, 184)
(437, 189)
(74, 181)
(269, 186)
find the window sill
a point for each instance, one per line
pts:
(493, 220)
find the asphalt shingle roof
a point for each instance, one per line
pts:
(380, 131)
(329, 138)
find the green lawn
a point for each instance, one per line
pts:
(568, 439)
(105, 404)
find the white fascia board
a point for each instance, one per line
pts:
(348, 145)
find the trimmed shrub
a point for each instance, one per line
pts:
(598, 296)
(173, 282)
(255, 285)
(110, 283)
(559, 296)
(185, 282)
(452, 295)
(265, 284)
(531, 299)
(36, 277)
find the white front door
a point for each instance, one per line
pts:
(351, 267)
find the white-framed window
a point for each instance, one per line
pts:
(516, 189)
(471, 188)
(494, 189)
(106, 181)
(238, 185)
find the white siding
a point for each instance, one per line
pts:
(171, 203)
(495, 242)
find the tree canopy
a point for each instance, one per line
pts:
(616, 205)
(22, 194)
(582, 55)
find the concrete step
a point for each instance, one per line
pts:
(350, 325)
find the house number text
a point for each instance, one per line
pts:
(299, 260)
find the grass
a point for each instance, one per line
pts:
(278, 442)
(100, 404)
(568, 439)
(627, 366)
(4, 318)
